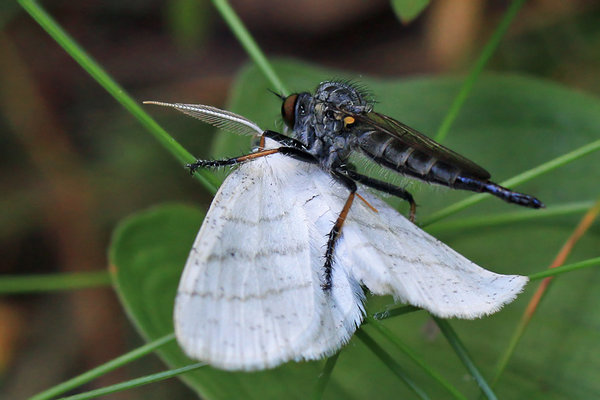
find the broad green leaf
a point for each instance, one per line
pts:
(408, 10)
(509, 124)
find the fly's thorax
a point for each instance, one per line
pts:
(324, 123)
(344, 96)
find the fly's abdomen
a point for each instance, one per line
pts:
(400, 157)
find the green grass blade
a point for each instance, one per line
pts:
(103, 369)
(11, 284)
(484, 57)
(103, 78)
(145, 380)
(325, 376)
(462, 353)
(390, 363)
(384, 331)
(510, 217)
(516, 180)
(242, 34)
(592, 262)
(395, 312)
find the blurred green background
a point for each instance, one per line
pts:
(73, 163)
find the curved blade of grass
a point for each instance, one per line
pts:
(11, 284)
(462, 353)
(104, 368)
(242, 34)
(324, 377)
(516, 180)
(390, 363)
(484, 57)
(592, 262)
(383, 330)
(145, 380)
(511, 217)
(101, 76)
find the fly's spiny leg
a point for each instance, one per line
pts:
(287, 151)
(386, 188)
(229, 161)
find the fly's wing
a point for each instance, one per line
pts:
(390, 255)
(250, 296)
(396, 129)
(222, 119)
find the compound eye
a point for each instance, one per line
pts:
(288, 110)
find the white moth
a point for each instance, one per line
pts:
(251, 295)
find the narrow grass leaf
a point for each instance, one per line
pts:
(145, 380)
(390, 363)
(484, 57)
(510, 217)
(104, 368)
(389, 335)
(103, 78)
(17, 284)
(237, 27)
(464, 356)
(325, 376)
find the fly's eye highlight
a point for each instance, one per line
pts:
(288, 110)
(348, 121)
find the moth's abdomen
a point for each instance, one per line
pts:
(394, 154)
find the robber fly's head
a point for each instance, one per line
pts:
(330, 111)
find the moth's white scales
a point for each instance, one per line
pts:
(251, 294)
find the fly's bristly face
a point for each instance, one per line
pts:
(326, 122)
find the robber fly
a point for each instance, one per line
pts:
(337, 120)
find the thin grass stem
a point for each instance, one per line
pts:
(237, 27)
(325, 376)
(104, 368)
(208, 180)
(464, 356)
(384, 331)
(145, 380)
(484, 57)
(389, 362)
(510, 217)
(592, 262)
(17, 284)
